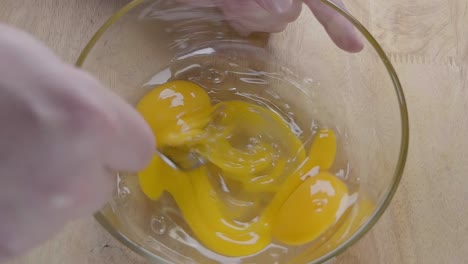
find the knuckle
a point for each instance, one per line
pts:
(81, 112)
(85, 115)
(83, 108)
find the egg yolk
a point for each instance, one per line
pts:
(175, 111)
(252, 147)
(310, 210)
(357, 216)
(360, 213)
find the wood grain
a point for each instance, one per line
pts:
(427, 40)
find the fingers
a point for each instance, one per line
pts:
(35, 217)
(128, 142)
(261, 15)
(63, 139)
(249, 16)
(92, 189)
(287, 10)
(341, 31)
(134, 144)
(274, 15)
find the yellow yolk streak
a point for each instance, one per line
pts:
(167, 108)
(310, 210)
(310, 168)
(356, 218)
(236, 161)
(181, 115)
(202, 210)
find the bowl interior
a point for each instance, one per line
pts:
(359, 95)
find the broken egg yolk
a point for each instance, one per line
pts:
(175, 111)
(295, 200)
(310, 210)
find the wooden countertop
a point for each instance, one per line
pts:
(427, 40)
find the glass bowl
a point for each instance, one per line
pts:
(359, 95)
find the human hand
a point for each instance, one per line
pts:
(274, 15)
(62, 136)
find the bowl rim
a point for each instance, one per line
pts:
(397, 175)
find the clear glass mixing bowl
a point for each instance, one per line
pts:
(359, 94)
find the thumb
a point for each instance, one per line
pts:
(130, 146)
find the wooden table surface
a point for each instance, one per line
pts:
(427, 40)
